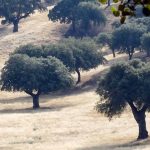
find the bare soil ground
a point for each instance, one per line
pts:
(65, 121)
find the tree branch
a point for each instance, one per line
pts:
(29, 92)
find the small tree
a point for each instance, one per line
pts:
(34, 76)
(86, 55)
(126, 83)
(145, 41)
(105, 39)
(15, 10)
(127, 38)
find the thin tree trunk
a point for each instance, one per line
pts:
(139, 116)
(114, 55)
(36, 101)
(130, 55)
(79, 76)
(16, 25)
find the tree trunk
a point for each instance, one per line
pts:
(36, 101)
(139, 116)
(79, 76)
(114, 55)
(15, 23)
(143, 134)
(130, 55)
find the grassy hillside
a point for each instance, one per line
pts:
(65, 121)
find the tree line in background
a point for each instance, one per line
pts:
(127, 38)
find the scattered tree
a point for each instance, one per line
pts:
(79, 13)
(127, 38)
(14, 10)
(85, 53)
(105, 39)
(75, 54)
(34, 76)
(126, 83)
(89, 15)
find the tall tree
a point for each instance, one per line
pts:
(35, 76)
(126, 83)
(14, 10)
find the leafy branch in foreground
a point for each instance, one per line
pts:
(128, 8)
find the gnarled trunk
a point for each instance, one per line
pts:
(139, 116)
(142, 125)
(79, 76)
(35, 98)
(36, 101)
(130, 55)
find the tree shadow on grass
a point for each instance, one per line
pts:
(30, 110)
(127, 146)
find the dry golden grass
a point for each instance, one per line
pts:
(65, 121)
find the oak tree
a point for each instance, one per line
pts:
(125, 84)
(34, 76)
(12, 11)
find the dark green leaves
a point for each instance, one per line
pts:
(125, 82)
(24, 73)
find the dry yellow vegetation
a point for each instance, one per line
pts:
(65, 121)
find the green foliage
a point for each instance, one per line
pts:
(90, 12)
(82, 14)
(116, 24)
(85, 53)
(30, 50)
(127, 37)
(145, 42)
(141, 21)
(31, 74)
(15, 10)
(104, 39)
(124, 83)
(74, 53)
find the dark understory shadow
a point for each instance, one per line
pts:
(31, 110)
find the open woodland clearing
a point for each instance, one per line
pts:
(65, 121)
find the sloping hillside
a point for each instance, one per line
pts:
(65, 121)
(35, 29)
